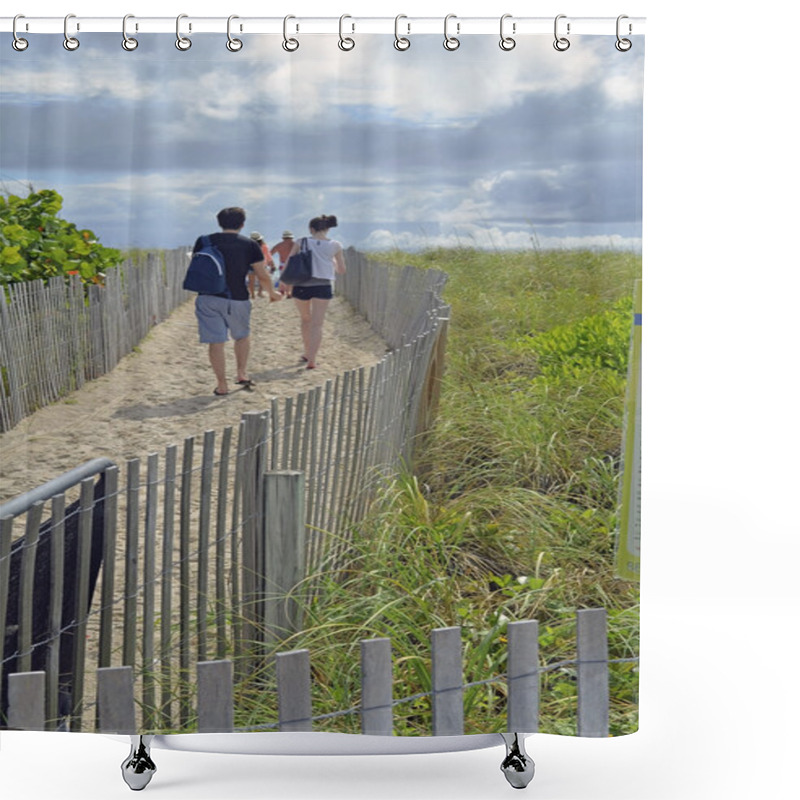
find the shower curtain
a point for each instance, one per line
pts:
(426, 524)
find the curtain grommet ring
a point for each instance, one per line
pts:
(401, 43)
(233, 44)
(70, 43)
(561, 43)
(451, 43)
(346, 43)
(182, 42)
(507, 43)
(129, 43)
(19, 44)
(623, 45)
(289, 44)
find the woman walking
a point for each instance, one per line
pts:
(312, 296)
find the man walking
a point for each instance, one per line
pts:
(283, 248)
(218, 314)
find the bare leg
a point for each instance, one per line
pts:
(304, 309)
(216, 355)
(241, 349)
(318, 309)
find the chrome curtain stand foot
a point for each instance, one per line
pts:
(138, 768)
(517, 766)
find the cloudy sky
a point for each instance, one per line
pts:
(409, 149)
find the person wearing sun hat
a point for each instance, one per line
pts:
(283, 248)
(253, 283)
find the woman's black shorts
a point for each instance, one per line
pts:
(323, 291)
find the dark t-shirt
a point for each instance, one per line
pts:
(239, 253)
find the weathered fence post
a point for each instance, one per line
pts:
(109, 563)
(215, 697)
(203, 551)
(376, 687)
(184, 580)
(447, 680)
(149, 597)
(116, 709)
(84, 555)
(592, 672)
(253, 434)
(167, 581)
(284, 552)
(523, 676)
(129, 632)
(26, 701)
(53, 658)
(294, 690)
(432, 383)
(6, 528)
(26, 587)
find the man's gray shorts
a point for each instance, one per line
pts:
(218, 315)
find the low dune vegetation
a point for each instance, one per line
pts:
(510, 510)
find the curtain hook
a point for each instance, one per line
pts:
(623, 45)
(346, 43)
(451, 42)
(561, 43)
(401, 42)
(70, 42)
(233, 44)
(506, 42)
(182, 42)
(19, 44)
(129, 43)
(289, 45)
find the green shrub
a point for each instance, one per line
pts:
(36, 244)
(594, 343)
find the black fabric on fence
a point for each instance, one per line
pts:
(41, 633)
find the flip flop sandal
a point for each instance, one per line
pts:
(246, 382)
(218, 393)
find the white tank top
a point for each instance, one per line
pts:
(323, 251)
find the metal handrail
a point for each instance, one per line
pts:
(19, 505)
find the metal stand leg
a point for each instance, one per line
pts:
(517, 766)
(138, 768)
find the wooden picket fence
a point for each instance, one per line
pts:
(56, 336)
(214, 710)
(184, 538)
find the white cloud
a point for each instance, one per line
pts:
(51, 83)
(321, 84)
(621, 90)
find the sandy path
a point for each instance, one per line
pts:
(162, 393)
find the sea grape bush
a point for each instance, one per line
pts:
(35, 243)
(596, 342)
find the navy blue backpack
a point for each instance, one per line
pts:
(206, 272)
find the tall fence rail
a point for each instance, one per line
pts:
(213, 707)
(173, 558)
(56, 336)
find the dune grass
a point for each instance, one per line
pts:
(511, 509)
